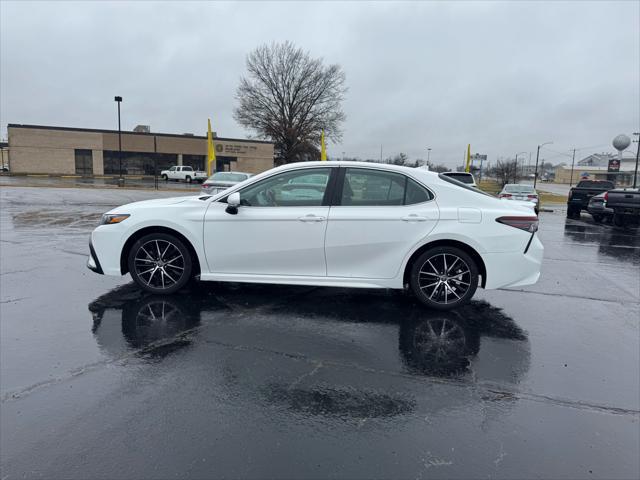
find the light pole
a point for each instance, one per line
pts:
(515, 175)
(428, 155)
(535, 174)
(118, 99)
(573, 161)
(635, 173)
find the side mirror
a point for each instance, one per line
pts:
(233, 202)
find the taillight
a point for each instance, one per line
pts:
(570, 194)
(606, 196)
(505, 195)
(528, 224)
(532, 196)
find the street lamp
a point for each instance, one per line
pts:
(535, 175)
(635, 172)
(428, 154)
(118, 99)
(515, 174)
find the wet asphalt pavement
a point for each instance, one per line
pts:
(224, 380)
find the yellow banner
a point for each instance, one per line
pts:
(468, 166)
(211, 152)
(323, 148)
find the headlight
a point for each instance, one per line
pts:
(110, 219)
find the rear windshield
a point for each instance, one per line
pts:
(228, 177)
(461, 177)
(596, 184)
(454, 181)
(513, 188)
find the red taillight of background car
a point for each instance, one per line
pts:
(532, 196)
(606, 196)
(528, 224)
(505, 195)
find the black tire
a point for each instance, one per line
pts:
(597, 217)
(619, 220)
(460, 282)
(573, 212)
(165, 178)
(188, 179)
(162, 253)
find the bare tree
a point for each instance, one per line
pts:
(289, 97)
(439, 168)
(505, 171)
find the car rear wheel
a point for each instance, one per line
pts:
(444, 278)
(160, 263)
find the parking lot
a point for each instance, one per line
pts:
(226, 380)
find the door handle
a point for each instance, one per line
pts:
(414, 218)
(311, 218)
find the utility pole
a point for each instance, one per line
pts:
(535, 175)
(573, 159)
(428, 155)
(635, 173)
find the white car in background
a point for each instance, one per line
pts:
(352, 224)
(521, 193)
(220, 181)
(464, 177)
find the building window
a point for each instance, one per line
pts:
(138, 163)
(197, 162)
(84, 162)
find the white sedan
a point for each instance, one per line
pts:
(342, 224)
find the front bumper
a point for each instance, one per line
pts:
(92, 262)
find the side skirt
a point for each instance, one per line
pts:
(395, 283)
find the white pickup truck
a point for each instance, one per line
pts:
(183, 173)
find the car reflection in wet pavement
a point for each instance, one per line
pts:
(430, 343)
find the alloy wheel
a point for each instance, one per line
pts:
(159, 264)
(444, 278)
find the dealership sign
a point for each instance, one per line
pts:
(614, 165)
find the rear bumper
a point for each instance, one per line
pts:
(514, 269)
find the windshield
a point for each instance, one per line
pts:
(228, 177)
(461, 177)
(515, 188)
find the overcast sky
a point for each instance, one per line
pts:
(501, 76)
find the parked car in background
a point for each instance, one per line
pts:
(521, 192)
(580, 195)
(598, 210)
(183, 173)
(463, 177)
(625, 203)
(342, 224)
(220, 181)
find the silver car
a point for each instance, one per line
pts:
(222, 180)
(521, 192)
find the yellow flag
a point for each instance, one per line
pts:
(211, 152)
(323, 148)
(468, 167)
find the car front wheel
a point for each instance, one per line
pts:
(160, 263)
(444, 278)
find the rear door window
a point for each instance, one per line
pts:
(367, 187)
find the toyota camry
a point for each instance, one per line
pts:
(340, 224)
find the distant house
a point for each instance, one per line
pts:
(596, 166)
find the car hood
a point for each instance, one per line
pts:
(158, 202)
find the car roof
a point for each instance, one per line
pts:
(350, 163)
